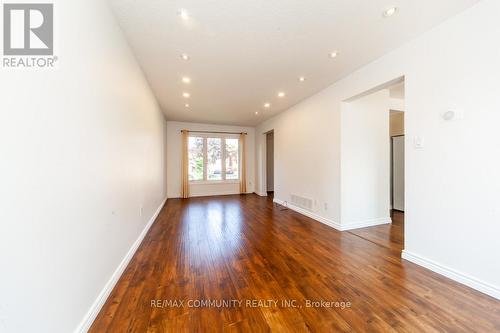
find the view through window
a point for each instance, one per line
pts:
(195, 158)
(213, 158)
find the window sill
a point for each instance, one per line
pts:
(214, 182)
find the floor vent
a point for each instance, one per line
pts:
(302, 202)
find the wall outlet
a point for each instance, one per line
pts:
(141, 211)
(326, 206)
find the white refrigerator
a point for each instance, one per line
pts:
(398, 173)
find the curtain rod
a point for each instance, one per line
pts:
(210, 132)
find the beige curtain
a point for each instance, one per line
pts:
(243, 164)
(185, 164)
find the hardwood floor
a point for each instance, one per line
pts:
(390, 236)
(243, 248)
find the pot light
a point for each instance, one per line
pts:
(334, 54)
(186, 79)
(256, 113)
(302, 79)
(281, 94)
(186, 95)
(184, 14)
(186, 105)
(390, 11)
(267, 105)
(185, 57)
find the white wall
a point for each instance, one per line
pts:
(81, 150)
(397, 104)
(365, 161)
(175, 154)
(452, 184)
(306, 160)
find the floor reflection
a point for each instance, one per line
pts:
(214, 226)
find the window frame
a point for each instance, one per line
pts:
(223, 138)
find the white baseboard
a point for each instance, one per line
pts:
(307, 213)
(460, 277)
(262, 194)
(366, 223)
(213, 194)
(108, 288)
(465, 279)
(333, 224)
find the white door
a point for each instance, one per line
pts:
(398, 172)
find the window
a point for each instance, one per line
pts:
(213, 158)
(195, 158)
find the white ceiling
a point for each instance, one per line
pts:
(243, 52)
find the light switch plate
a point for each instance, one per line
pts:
(418, 142)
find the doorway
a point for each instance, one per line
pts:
(270, 163)
(397, 137)
(375, 130)
(397, 134)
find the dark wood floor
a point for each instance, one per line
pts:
(390, 236)
(243, 248)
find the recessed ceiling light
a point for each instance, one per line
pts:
(390, 11)
(281, 94)
(256, 113)
(334, 54)
(184, 14)
(186, 79)
(185, 57)
(267, 105)
(186, 105)
(186, 95)
(302, 79)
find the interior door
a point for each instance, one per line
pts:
(398, 173)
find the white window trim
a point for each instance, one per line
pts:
(223, 138)
(214, 182)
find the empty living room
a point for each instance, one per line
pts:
(249, 166)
